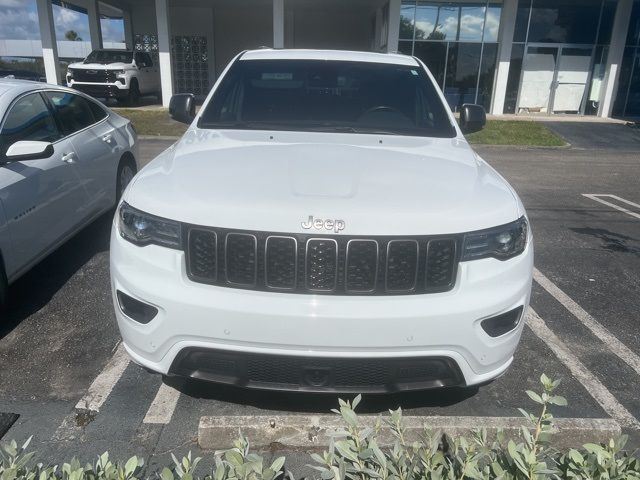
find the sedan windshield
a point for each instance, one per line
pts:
(328, 96)
(109, 56)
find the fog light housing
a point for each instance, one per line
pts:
(135, 309)
(503, 323)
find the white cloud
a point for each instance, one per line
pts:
(19, 20)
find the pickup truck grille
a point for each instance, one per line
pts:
(320, 264)
(95, 76)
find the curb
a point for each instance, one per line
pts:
(310, 432)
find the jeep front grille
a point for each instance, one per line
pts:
(322, 264)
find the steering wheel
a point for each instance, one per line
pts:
(381, 108)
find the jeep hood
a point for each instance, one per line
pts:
(273, 181)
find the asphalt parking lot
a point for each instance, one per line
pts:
(59, 345)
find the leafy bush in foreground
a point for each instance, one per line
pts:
(354, 454)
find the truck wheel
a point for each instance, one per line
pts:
(134, 93)
(126, 172)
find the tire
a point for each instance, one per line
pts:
(126, 171)
(134, 93)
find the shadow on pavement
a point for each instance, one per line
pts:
(35, 289)
(299, 402)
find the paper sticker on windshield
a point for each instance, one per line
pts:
(414, 72)
(277, 76)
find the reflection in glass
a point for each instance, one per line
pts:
(597, 77)
(487, 67)
(632, 108)
(522, 21)
(564, 21)
(633, 36)
(433, 55)
(492, 23)
(426, 18)
(406, 21)
(624, 81)
(513, 81)
(463, 63)
(606, 22)
(405, 47)
(471, 24)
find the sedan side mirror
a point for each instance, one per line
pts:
(472, 118)
(28, 150)
(182, 107)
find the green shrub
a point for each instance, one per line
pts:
(354, 454)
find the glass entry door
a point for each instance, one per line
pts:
(554, 79)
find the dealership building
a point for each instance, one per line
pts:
(529, 57)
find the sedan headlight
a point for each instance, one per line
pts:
(145, 229)
(502, 242)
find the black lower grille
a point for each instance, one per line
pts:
(283, 372)
(339, 265)
(97, 76)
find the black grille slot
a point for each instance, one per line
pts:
(241, 259)
(361, 266)
(202, 256)
(95, 76)
(281, 262)
(441, 257)
(322, 264)
(402, 265)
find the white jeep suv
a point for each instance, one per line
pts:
(323, 225)
(121, 74)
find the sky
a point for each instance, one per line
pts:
(19, 20)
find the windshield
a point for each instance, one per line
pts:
(320, 95)
(109, 56)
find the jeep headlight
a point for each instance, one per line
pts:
(69, 74)
(144, 229)
(502, 242)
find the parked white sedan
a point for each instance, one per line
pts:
(64, 160)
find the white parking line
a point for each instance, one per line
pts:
(597, 197)
(615, 346)
(589, 381)
(163, 406)
(104, 382)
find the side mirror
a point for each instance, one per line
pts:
(472, 118)
(182, 107)
(28, 150)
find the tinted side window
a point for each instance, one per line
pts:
(73, 111)
(98, 112)
(28, 119)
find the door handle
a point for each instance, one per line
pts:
(69, 158)
(107, 138)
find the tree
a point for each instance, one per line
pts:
(73, 36)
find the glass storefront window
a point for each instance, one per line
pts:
(606, 22)
(522, 21)
(513, 81)
(406, 22)
(451, 39)
(471, 23)
(433, 54)
(564, 21)
(463, 62)
(633, 37)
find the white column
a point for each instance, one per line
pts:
(278, 23)
(505, 41)
(164, 50)
(48, 39)
(614, 57)
(393, 26)
(128, 29)
(95, 29)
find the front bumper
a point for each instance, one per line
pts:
(102, 90)
(308, 341)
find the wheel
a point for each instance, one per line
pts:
(126, 172)
(134, 93)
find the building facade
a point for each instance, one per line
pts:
(529, 57)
